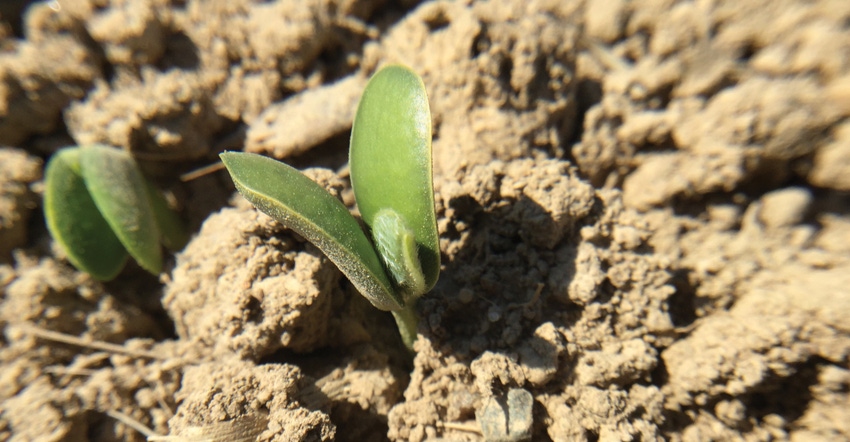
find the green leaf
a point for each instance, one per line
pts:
(390, 160)
(300, 204)
(118, 189)
(171, 227)
(396, 245)
(75, 222)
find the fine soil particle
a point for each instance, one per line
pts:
(642, 205)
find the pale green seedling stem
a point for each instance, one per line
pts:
(407, 321)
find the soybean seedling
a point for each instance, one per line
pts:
(390, 160)
(100, 209)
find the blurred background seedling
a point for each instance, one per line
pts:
(101, 209)
(391, 174)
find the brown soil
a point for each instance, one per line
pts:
(644, 215)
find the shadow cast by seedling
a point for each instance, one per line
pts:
(491, 300)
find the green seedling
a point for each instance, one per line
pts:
(390, 159)
(100, 209)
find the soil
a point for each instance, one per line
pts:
(643, 207)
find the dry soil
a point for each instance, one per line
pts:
(643, 208)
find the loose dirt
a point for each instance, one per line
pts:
(643, 207)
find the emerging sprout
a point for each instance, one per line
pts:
(100, 208)
(390, 158)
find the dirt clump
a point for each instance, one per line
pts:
(19, 173)
(261, 292)
(245, 400)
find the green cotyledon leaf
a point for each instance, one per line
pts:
(396, 245)
(171, 228)
(75, 222)
(120, 193)
(391, 173)
(300, 204)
